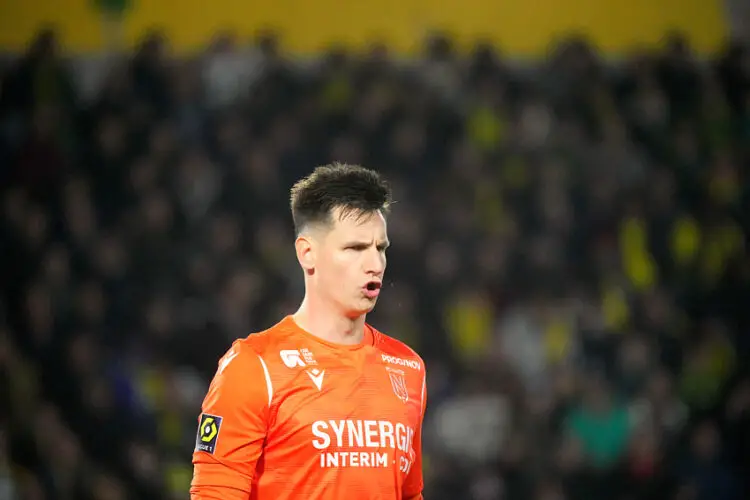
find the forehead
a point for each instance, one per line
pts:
(357, 225)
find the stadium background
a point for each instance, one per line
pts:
(570, 242)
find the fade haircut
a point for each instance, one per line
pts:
(353, 189)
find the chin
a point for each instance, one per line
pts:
(361, 309)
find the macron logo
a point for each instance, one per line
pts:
(317, 377)
(401, 361)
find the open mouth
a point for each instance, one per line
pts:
(372, 289)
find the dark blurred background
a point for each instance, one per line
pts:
(569, 254)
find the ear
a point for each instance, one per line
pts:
(305, 249)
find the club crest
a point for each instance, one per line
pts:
(398, 382)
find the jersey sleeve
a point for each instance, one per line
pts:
(414, 482)
(232, 427)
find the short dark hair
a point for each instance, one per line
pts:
(352, 188)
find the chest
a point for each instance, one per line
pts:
(353, 402)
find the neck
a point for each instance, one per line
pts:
(328, 323)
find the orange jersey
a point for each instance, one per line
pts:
(291, 416)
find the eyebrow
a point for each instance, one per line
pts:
(381, 244)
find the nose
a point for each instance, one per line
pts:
(375, 263)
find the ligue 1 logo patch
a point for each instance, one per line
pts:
(398, 382)
(208, 433)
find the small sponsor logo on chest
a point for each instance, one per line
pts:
(303, 358)
(400, 361)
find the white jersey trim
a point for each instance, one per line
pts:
(269, 385)
(422, 397)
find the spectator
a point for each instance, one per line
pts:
(703, 469)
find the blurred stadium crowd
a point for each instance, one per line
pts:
(569, 257)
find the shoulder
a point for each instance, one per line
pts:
(394, 351)
(248, 358)
(254, 351)
(266, 342)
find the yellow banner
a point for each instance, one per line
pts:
(521, 28)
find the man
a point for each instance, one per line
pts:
(321, 405)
